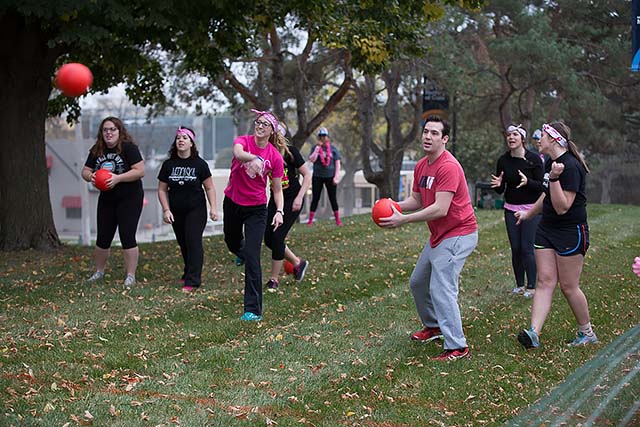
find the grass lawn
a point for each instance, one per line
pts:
(333, 350)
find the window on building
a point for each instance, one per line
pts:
(72, 206)
(74, 213)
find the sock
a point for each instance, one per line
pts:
(311, 215)
(586, 329)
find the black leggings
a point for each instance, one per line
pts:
(188, 227)
(243, 231)
(521, 238)
(275, 240)
(316, 189)
(123, 214)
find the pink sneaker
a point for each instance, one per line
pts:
(187, 288)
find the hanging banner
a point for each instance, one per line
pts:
(435, 101)
(635, 35)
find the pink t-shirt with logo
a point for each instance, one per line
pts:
(445, 174)
(241, 188)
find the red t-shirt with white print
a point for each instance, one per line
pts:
(445, 174)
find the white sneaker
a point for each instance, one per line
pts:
(529, 293)
(518, 290)
(98, 275)
(129, 281)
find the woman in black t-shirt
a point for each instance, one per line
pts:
(121, 205)
(293, 193)
(519, 175)
(180, 191)
(562, 238)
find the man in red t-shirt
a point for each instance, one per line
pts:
(440, 197)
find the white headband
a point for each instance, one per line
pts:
(553, 133)
(518, 129)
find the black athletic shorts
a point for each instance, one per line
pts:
(566, 241)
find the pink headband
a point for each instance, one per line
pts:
(183, 131)
(269, 116)
(553, 133)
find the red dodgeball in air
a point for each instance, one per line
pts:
(74, 79)
(382, 209)
(102, 175)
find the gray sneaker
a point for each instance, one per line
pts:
(300, 270)
(129, 281)
(529, 338)
(583, 339)
(98, 275)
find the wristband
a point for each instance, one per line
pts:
(260, 158)
(554, 179)
(280, 212)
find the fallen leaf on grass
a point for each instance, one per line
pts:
(113, 411)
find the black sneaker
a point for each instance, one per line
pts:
(272, 285)
(300, 269)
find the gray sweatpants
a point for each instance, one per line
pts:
(434, 285)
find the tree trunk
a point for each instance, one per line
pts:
(347, 191)
(388, 179)
(26, 219)
(277, 73)
(391, 183)
(365, 94)
(606, 179)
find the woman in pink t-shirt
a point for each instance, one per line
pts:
(256, 158)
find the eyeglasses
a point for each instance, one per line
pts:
(105, 130)
(260, 123)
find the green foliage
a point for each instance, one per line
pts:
(378, 32)
(332, 350)
(531, 62)
(119, 40)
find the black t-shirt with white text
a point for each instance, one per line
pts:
(184, 178)
(531, 166)
(118, 163)
(573, 178)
